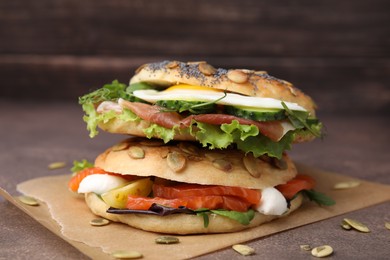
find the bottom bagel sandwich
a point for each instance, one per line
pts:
(181, 188)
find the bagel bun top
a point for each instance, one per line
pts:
(241, 81)
(186, 162)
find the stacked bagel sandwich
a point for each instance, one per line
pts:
(206, 151)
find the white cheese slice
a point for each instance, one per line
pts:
(272, 202)
(230, 99)
(100, 183)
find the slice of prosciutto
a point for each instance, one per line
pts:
(154, 114)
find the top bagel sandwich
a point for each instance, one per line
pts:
(194, 101)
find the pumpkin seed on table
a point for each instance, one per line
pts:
(28, 200)
(346, 185)
(305, 247)
(98, 222)
(356, 225)
(126, 254)
(387, 225)
(346, 226)
(56, 165)
(322, 251)
(243, 249)
(167, 240)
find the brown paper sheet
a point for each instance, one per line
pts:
(66, 215)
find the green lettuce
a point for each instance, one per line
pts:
(246, 137)
(81, 165)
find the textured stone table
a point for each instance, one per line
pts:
(34, 135)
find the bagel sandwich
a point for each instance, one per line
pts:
(184, 188)
(218, 108)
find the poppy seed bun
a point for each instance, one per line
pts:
(188, 163)
(181, 223)
(241, 81)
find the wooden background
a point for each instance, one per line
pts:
(336, 51)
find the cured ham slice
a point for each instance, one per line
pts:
(154, 114)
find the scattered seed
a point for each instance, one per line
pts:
(237, 76)
(387, 225)
(189, 148)
(138, 70)
(136, 152)
(207, 69)
(322, 251)
(356, 225)
(223, 165)
(213, 156)
(285, 82)
(120, 147)
(176, 161)
(346, 226)
(346, 185)
(172, 64)
(98, 222)
(305, 247)
(251, 165)
(195, 158)
(56, 165)
(124, 254)
(167, 240)
(28, 200)
(243, 249)
(261, 72)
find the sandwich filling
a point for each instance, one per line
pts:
(129, 194)
(215, 118)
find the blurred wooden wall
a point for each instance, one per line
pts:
(336, 51)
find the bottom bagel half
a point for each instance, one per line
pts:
(182, 223)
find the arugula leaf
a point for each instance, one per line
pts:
(300, 119)
(318, 197)
(206, 220)
(111, 91)
(81, 165)
(242, 217)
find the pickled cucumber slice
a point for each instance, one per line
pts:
(257, 114)
(117, 198)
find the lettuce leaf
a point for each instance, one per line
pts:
(81, 165)
(246, 137)
(164, 133)
(93, 118)
(108, 92)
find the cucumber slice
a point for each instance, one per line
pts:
(195, 107)
(257, 114)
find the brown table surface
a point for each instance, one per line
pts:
(35, 134)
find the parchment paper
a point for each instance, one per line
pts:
(66, 215)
